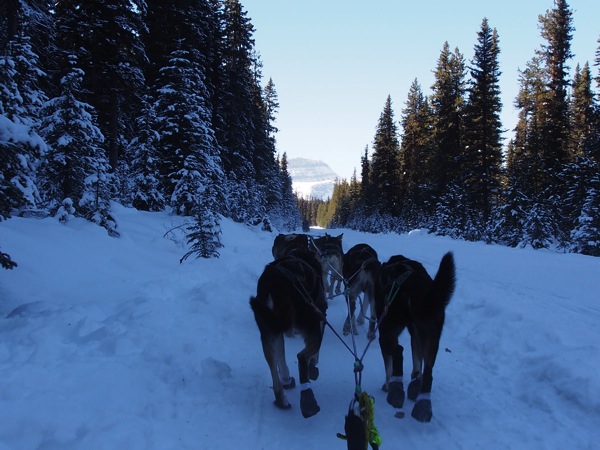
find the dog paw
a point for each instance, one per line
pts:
(289, 384)
(395, 396)
(308, 403)
(422, 410)
(281, 402)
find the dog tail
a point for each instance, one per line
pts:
(444, 282)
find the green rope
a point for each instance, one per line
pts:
(367, 412)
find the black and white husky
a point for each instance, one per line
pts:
(407, 297)
(289, 297)
(361, 269)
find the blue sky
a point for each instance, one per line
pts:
(334, 62)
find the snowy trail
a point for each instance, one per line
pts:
(111, 343)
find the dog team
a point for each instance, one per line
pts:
(292, 296)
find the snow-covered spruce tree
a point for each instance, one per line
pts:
(446, 221)
(146, 187)
(74, 167)
(506, 223)
(189, 153)
(106, 36)
(585, 237)
(538, 228)
(203, 234)
(20, 146)
(20, 94)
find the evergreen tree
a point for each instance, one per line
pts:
(73, 174)
(18, 143)
(556, 29)
(204, 234)
(416, 156)
(20, 93)
(289, 215)
(147, 191)
(237, 100)
(106, 36)
(481, 158)
(509, 218)
(385, 174)
(266, 164)
(343, 201)
(366, 187)
(189, 160)
(577, 175)
(594, 146)
(582, 113)
(525, 157)
(271, 101)
(447, 102)
(538, 229)
(21, 96)
(586, 234)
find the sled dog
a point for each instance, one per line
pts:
(289, 297)
(407, 297)
(361, 269)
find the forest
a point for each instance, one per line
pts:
(444, 166)
(155, 105)
(163, 107)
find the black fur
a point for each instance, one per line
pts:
(361, 269)
(290, 297)
(415, 301)
(285, 243)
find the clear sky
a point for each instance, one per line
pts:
(334, 62)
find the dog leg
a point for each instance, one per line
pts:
(308, 403)
(363, 311)
(370, 303)
(416, 376)
(395, 396)
(268, 344)
(422, 411)
(350, 322)
(287, 381)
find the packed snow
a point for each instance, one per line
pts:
(111, 343)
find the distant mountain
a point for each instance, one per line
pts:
(311, 178)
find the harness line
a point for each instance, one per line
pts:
(365, 401)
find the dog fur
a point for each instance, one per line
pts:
(290, 296)
(407, 297)
(330, 252)
(361, 270)
(285, 243)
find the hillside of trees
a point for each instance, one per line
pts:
(162, 106)
(148, 103)
(443, 165)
